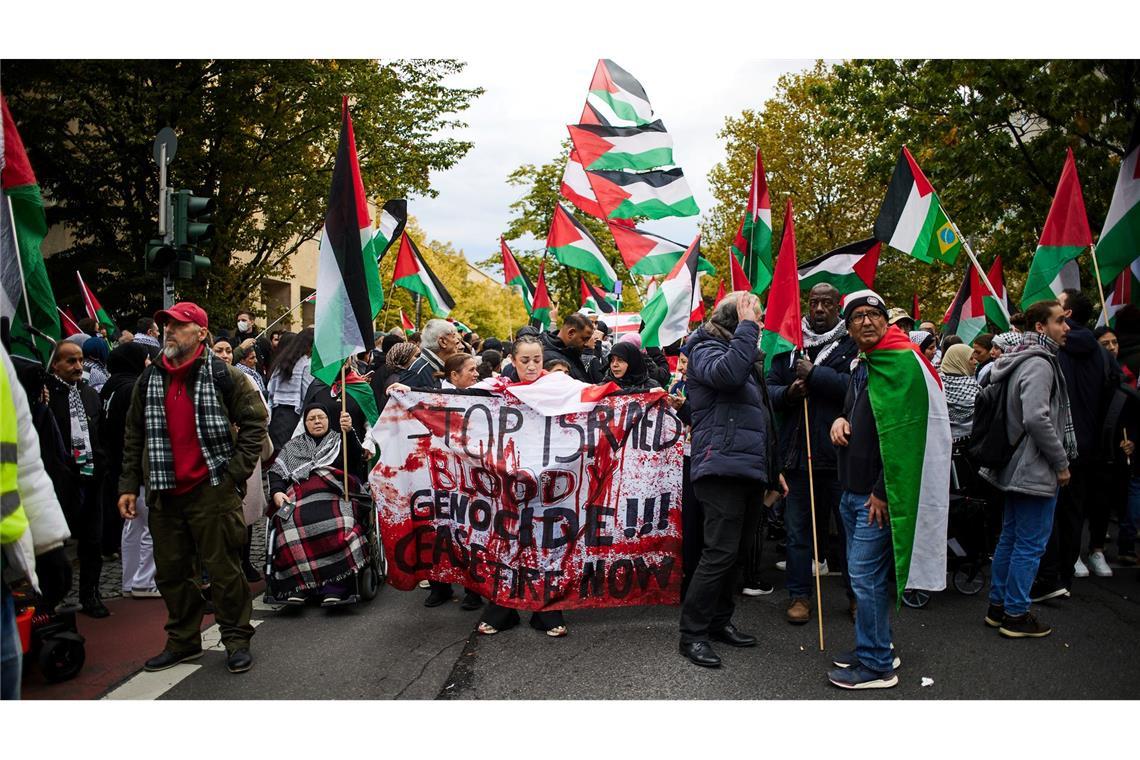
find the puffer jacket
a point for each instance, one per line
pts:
(733, 429)
(1035, 406)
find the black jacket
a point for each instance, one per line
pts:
(827, 390)
(554, 348)
(1092, 376)
(67, 488)
(860, 462)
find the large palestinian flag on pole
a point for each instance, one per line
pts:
(616, 99)
(783, 323)
(665, 318)
(575, 247)
(615, 148)
(24, 281)
(911, 218)
(413, 274)
(1124, 290)
(1119, 241)
(540, 313)
(966, 316)
(752, 246)
(1065, 235)
(514, 276)
(94, 309)
(594, 298)
(914, 440)
(393, 217)
(993, 311)
(651, 194)
(349, 294)
(849, 268)
(576, 187)
(646, 254)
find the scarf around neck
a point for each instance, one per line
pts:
(80, 433)
(829, 340)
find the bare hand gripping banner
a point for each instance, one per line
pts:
(531, 510)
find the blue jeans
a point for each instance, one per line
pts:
(1025, 530)
(11, 651)
(797, 522)
(870, 557)
(1130, 519)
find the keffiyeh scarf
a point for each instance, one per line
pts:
(303, 456)
(960, 392)
(829, 340)
(80, 433)
(1040, 339)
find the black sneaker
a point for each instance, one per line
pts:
(438, 597)
(93, 607)
(1025, 626)
(757, 588)
(994, 615)
(471, 601)
(239, 661)
(1040, 592)
(848, 659)
(167, 659)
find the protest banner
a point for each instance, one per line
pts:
(533, 510)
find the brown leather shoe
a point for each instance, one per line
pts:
(799, 611)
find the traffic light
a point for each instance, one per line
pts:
(160, 256)
(192, 227)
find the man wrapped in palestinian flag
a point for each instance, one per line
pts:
(893, 441)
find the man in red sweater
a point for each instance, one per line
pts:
(181, 442)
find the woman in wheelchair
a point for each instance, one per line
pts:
(319, 541)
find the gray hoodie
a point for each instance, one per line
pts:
(1035, 405)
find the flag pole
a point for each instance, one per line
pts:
(387, 303)
(290, 311)
(1099, 285)
(19, 259)
(814, 540)
(985, 278)
(343, 433)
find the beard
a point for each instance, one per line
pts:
(176, 351)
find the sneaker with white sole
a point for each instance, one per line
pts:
(1079, 569)
(757, 588)
(820, 567)
(849, 659)
(1099, 565)
(782, 565)
(859, 677)
(1042, 592)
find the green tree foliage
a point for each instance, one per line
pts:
(991, 137)
(532, 214)
(259, 135)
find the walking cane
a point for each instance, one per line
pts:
(814, 540)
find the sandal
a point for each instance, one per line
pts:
(487, 630)
(557, 631)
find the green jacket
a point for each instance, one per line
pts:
(243, 406)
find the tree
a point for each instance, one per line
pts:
(260, 136)
(533, 213)
(991, 137)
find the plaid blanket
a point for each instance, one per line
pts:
(319, 540)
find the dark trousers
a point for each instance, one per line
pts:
(692, 530)
(797, 522)
(1064, 547)
(505, 618)
(732, 508)
(111, 540)
(85, 521)
(205, 523)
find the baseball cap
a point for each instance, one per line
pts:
(183, 311)
(895, 314)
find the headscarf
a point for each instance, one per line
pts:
(631, 338)
(1007, 340)
(921, 338)
(94, 362)
(304, 455)
(400, 355)
(636, 375)
(127, 359)
(956, 361)
(96, 348)
(77, 338)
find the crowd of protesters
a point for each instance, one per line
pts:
(165, 444)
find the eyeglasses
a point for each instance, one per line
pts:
(865, 316)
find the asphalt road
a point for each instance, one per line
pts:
(394, 648)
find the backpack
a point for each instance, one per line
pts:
(988, 444)
(219, 371)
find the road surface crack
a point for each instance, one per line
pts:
(429, 661)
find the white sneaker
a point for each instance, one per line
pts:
(782, 565)
(1079, 569)
(1099, 565)
(821, 568)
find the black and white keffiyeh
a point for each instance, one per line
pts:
(80, 433)
(1041, 339)
(302, 456)
(829, 340)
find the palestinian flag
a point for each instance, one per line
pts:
(540, 313)
(783, 323)
(1125, 290)
(636, 148)
(737, 279)
(966, 316)
(575, 247)
(1065, 236)
(1119, 241)
(406, 323)
(720, 294)
(594, 298)
(652, 194)
(513, 275)
(647, 254)
(915, 314)
(576, 187)
(849, 268)
(360, 391)
(665, 318)
(993, 309)
(67, 323)
(393, 217)
(95, 310)
(651, 288)
(911, 219)
(22, 230)
(412, 274)
(349, 294)
(914, 440)
(616, 99)
(752, 246)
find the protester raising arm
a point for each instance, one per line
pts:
(731, 368)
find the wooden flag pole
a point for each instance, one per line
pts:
(1099, 286)
(343, 432)
(387, 303)
(814, 540)
(985, 278)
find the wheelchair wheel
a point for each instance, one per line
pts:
(915, 598)
(968, 578)
(369, 580)
(61, 658)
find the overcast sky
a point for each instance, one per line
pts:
(522, 118)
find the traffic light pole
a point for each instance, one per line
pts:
(164, 226)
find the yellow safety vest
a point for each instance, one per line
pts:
(13, 520)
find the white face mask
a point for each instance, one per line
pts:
(243, 326)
